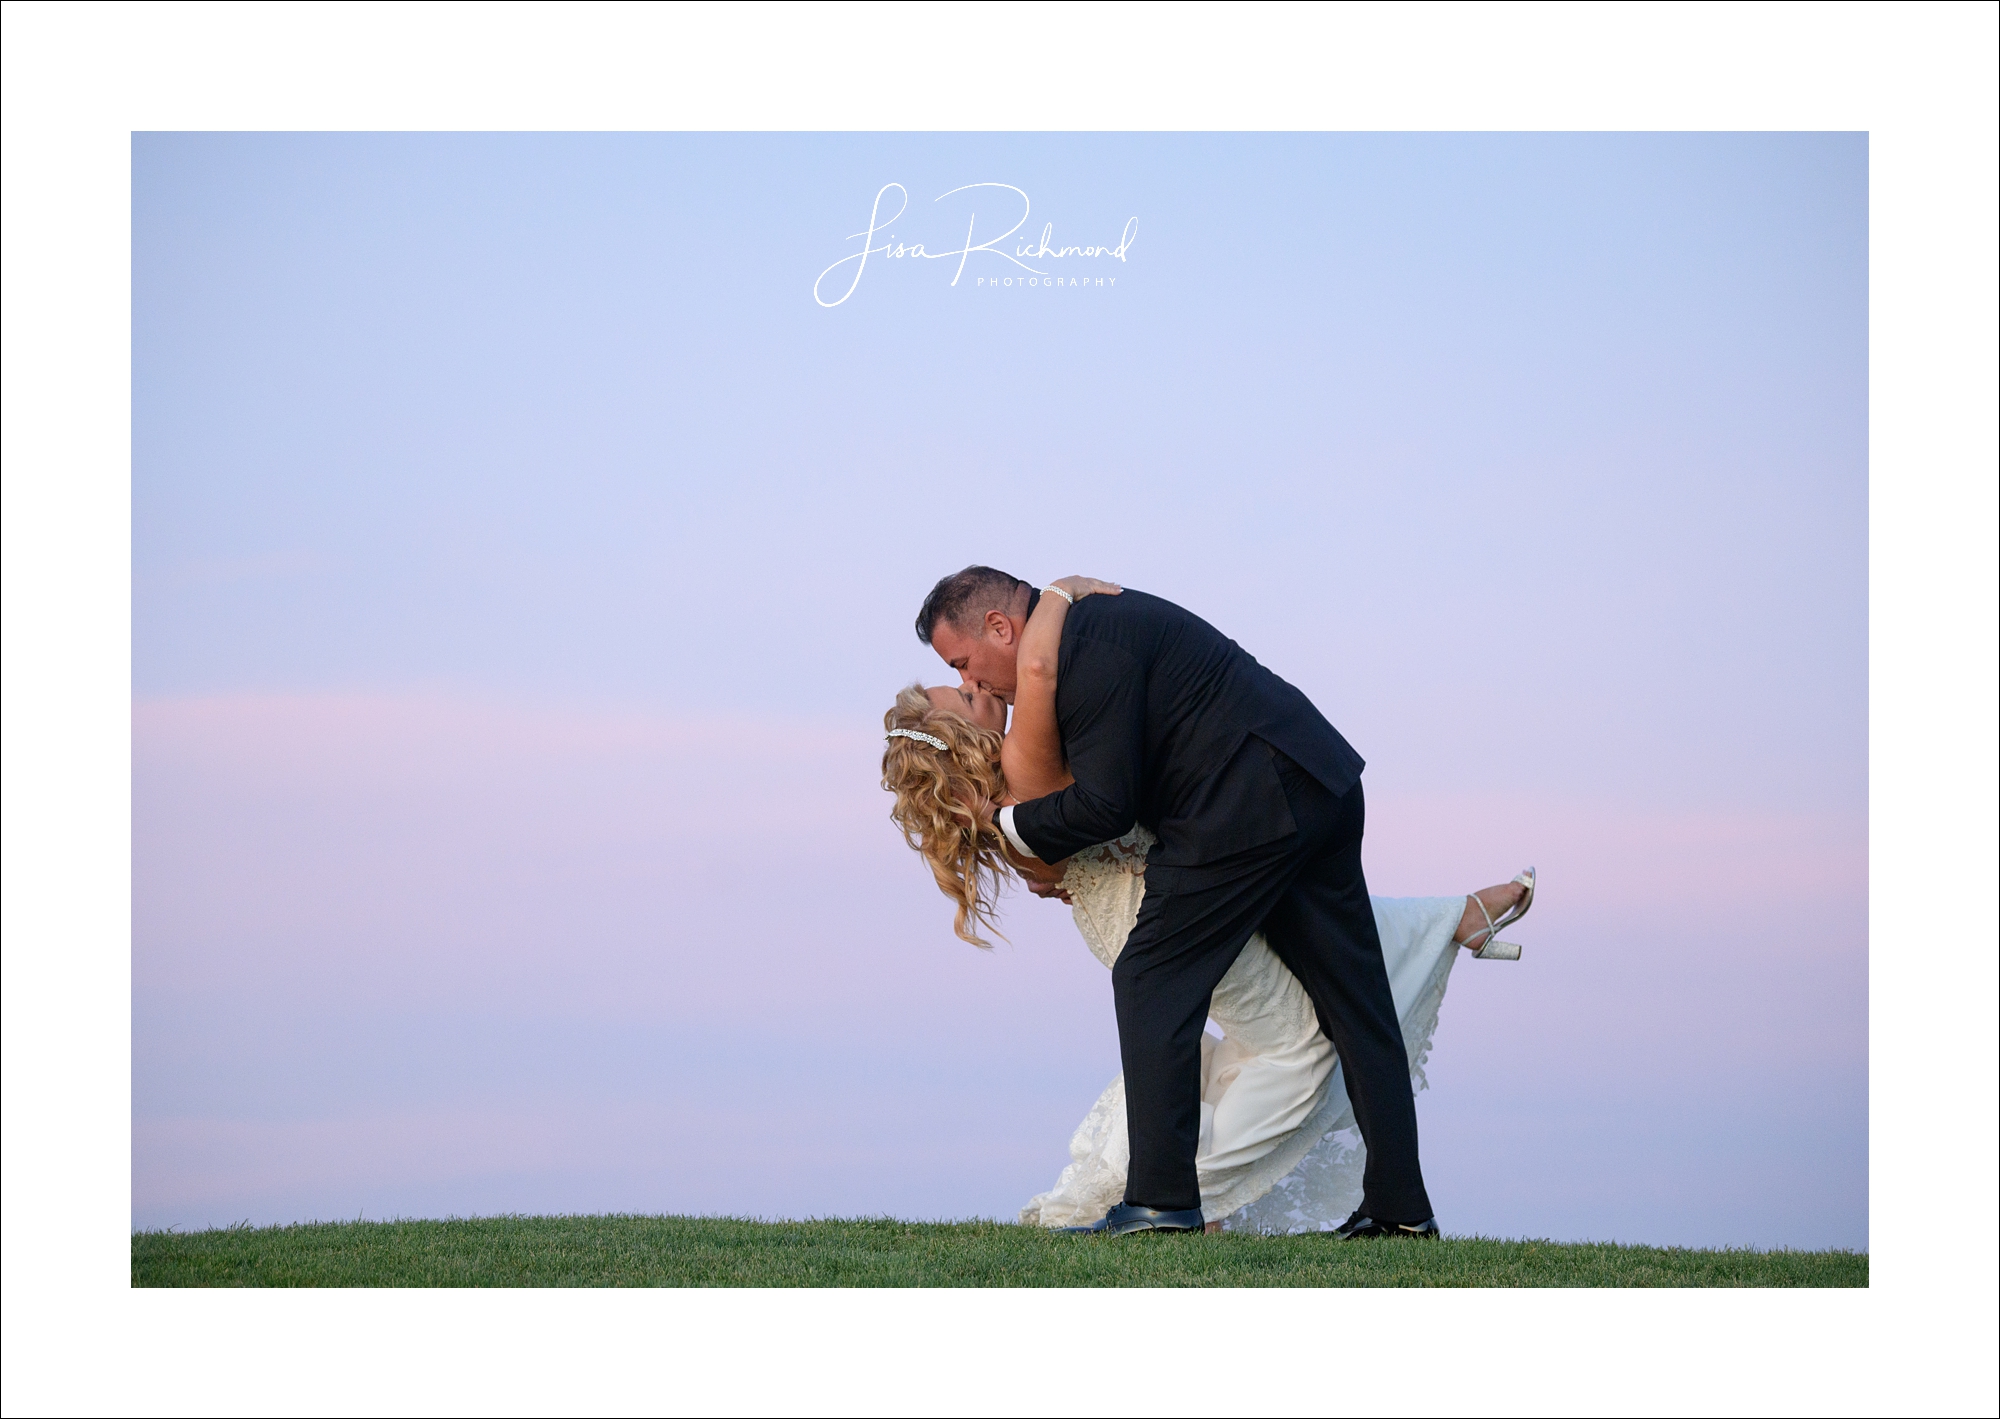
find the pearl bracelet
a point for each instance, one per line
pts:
(1060, 592)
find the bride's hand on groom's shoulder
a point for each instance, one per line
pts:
(1079, 587)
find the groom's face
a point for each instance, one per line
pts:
(983, 655)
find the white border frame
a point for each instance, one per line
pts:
(78, 79)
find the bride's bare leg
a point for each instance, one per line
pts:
(1496, 899)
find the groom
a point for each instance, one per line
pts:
(1256, 802)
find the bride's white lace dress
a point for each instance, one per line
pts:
(1279, 1150)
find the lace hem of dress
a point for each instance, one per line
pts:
(1094, 1180)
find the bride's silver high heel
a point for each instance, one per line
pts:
(1491, 947)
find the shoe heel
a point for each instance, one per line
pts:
(1498, 951)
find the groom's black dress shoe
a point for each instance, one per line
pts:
(1357, 1227)
(1127, 1217)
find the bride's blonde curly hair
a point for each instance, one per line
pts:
(937, 793)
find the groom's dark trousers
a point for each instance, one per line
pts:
(1306, 892)
(1257, 804)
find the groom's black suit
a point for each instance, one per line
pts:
(1257, 803)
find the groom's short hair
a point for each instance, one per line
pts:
(964, 597)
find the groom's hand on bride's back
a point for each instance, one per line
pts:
(1044, 879)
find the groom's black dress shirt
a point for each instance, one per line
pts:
(1156, 707)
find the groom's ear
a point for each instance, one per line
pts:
(1000, 627)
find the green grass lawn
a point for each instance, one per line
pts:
(715, 1251)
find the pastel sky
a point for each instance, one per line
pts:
(523, 559)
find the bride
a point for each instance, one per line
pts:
(1279, 1150)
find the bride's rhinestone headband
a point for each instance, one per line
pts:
(930, 739)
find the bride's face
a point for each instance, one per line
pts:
(986, 711)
